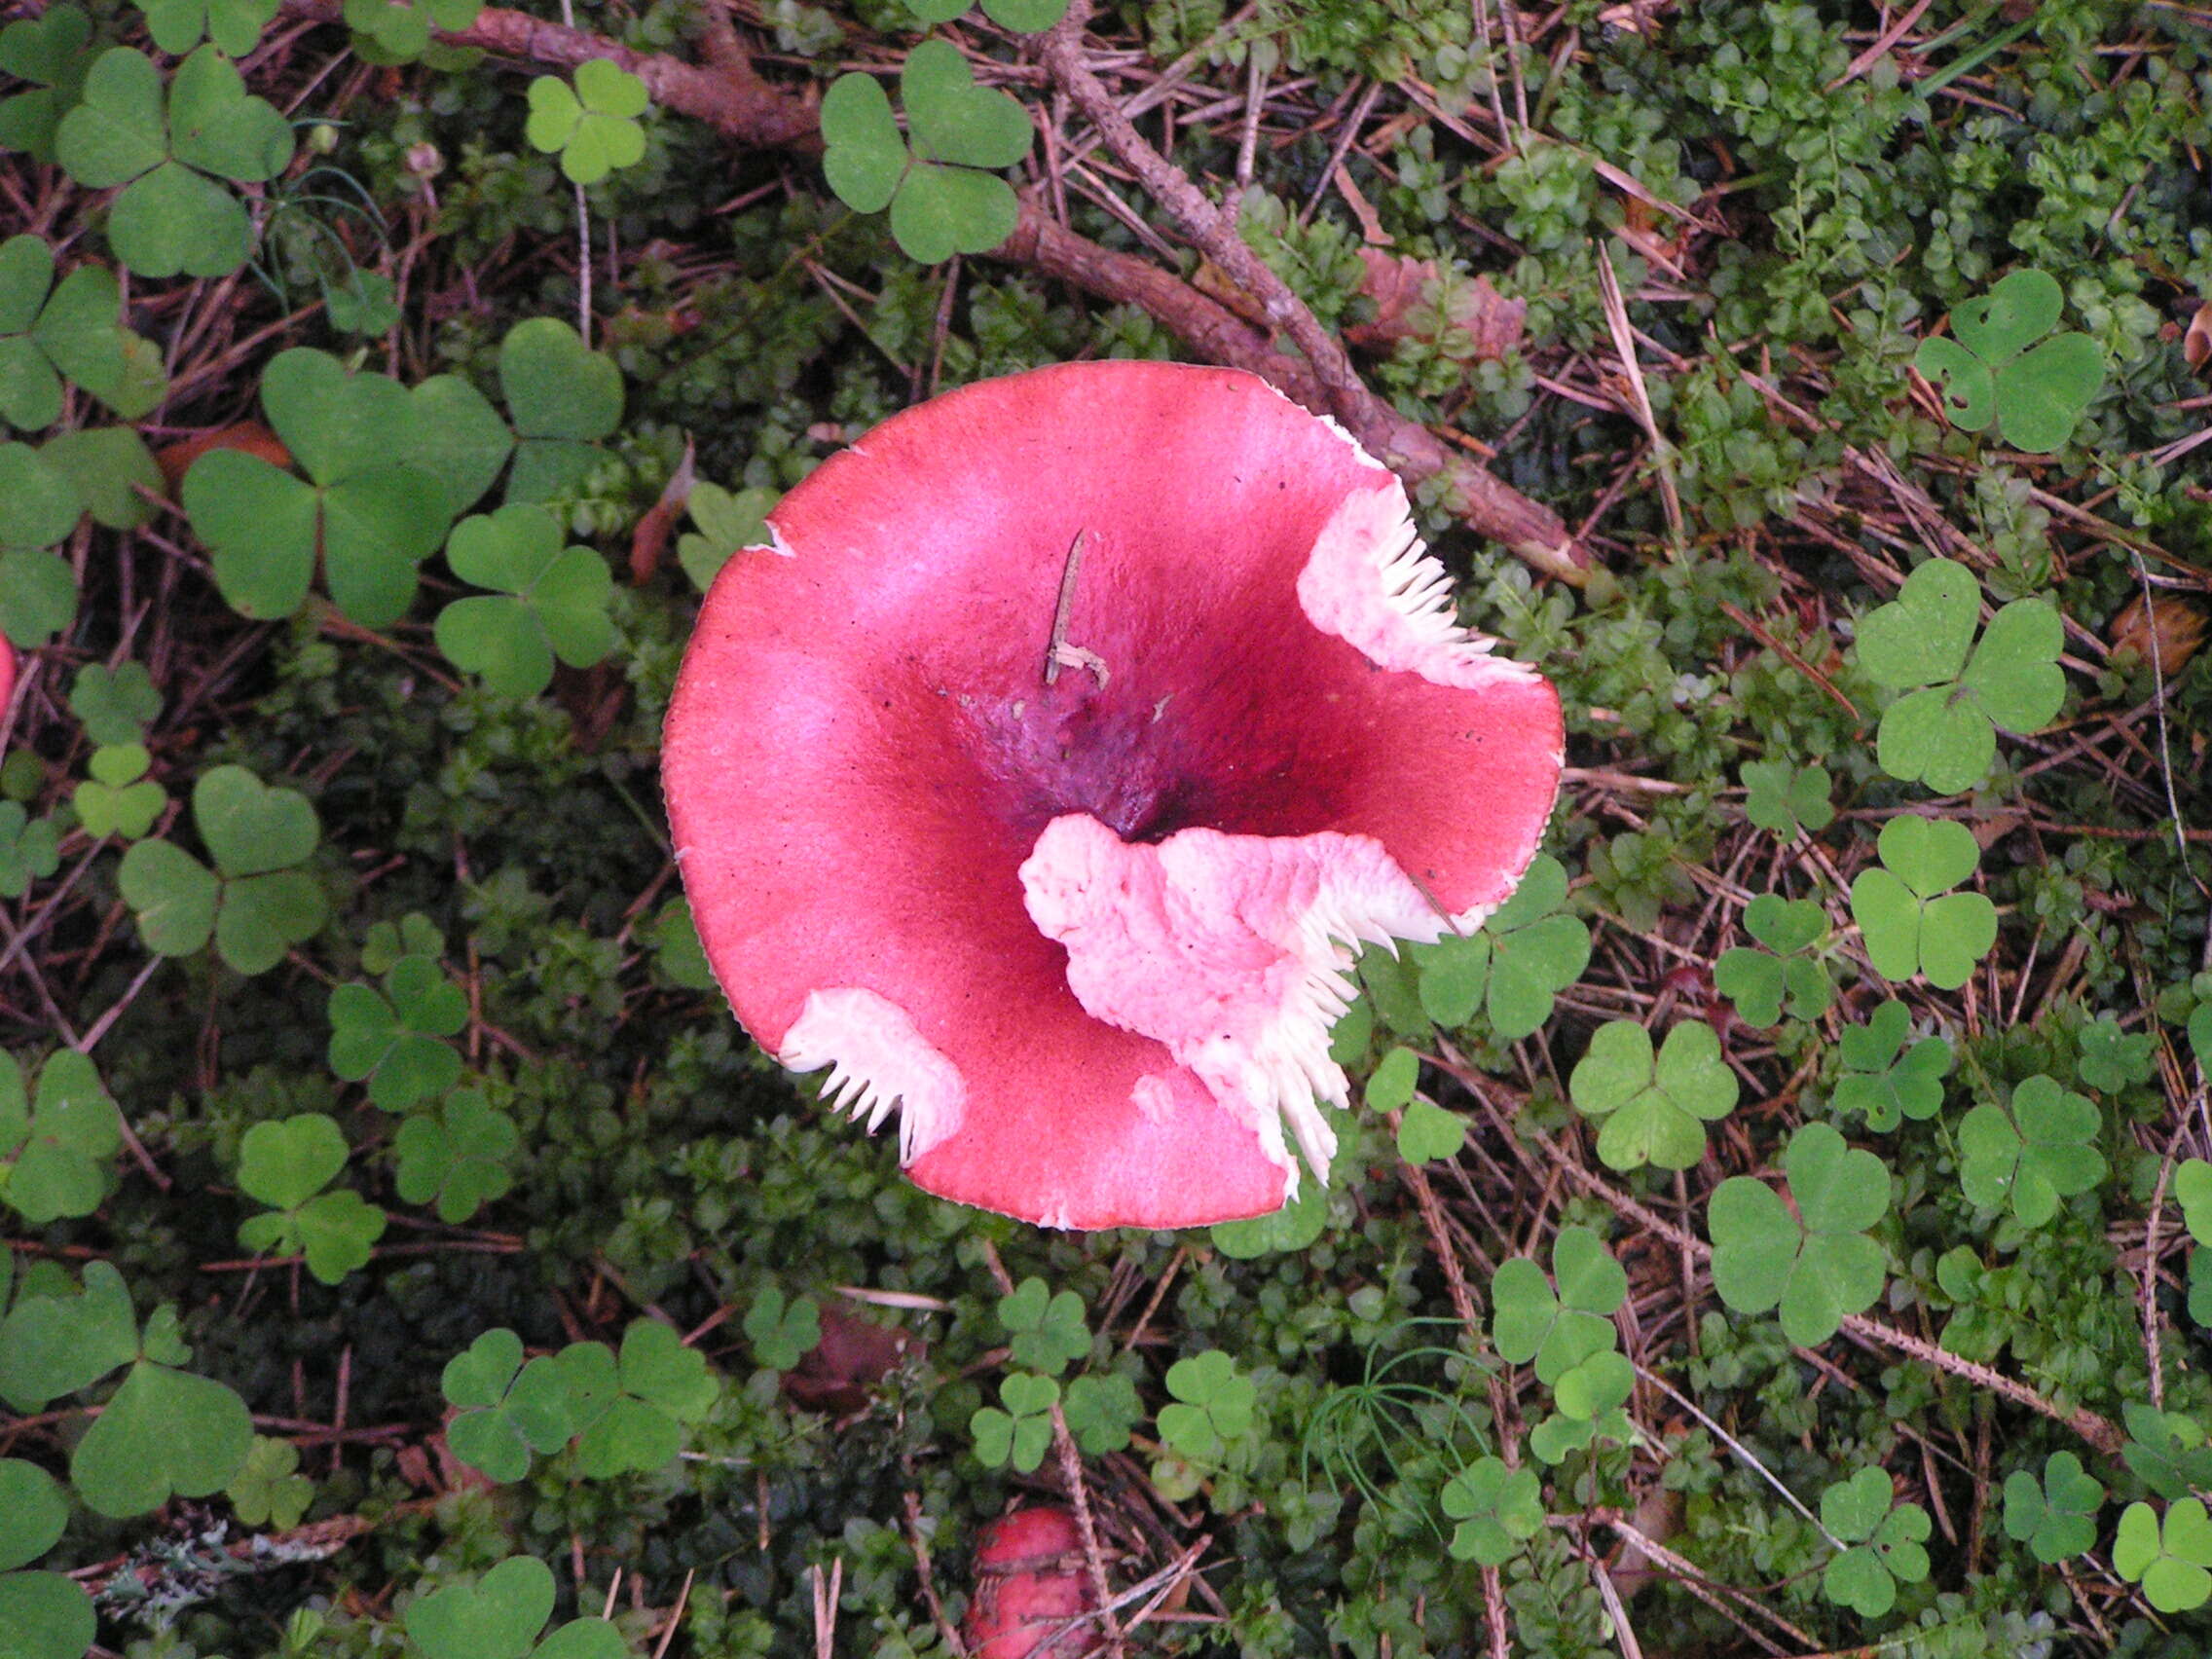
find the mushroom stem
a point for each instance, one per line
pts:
(1056, 649)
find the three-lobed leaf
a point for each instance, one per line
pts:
(1654, 1107)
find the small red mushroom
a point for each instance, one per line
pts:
(1040, 778)
(1030, 1580)
(6, 675)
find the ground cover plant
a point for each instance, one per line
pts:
(1781, 1229)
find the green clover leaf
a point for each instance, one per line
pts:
(119, 799)
(677, 950)
(1883, 1078)
(507, 1410)
(2044, 1149)
(1940, 732)
(1885, 1543)
(38, 591)
(1557, 1330)
(2111, 1058)
(496, 1617)
(782, 1333)
(2169, 1452)
(594, 128)
(286, 1165)
(1654, 1110)
(1761, 982)
(2172, 1561)
(116, 705)
(234, 25)
(458, 1158)
(413, 934)
(1497, 1509)
(1428, 1132)
(1522, 957)
(1818, 1265)
(57, 1345)
(1213, 1405)
(1019, 1434)
(564, 398)
(1782, 800)
(944, 195)
(2056, 1517)
(551, 601)
(726, 521)
(57, 1147)
(2037, 393)
(32, 1513)
(172, 215)
(269, 1491)
(51, 53)
(259, 904)
(51, 332)
(38, 506)
(1046, 1331)
(1101, 1412)
(395, 1042)
(30, 849)
(369, 508)
(114, 473)
(1910, 920)
(2192, 1190)
(389, 32)
(644, 1397)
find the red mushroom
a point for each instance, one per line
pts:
(6, 675)
(1039, 778)
(1031, 1582)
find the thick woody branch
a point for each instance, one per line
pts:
(731, 98)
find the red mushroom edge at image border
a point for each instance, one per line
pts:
(1042, 777)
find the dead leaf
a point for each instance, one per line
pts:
(1215, 283)
(2196, 338)
(852, 1357)
(650, 541)
(1485, 323)
(2170, 623)
(248, 437)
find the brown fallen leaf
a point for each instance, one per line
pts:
(2171, 624)
(1485, 322)
(248, 437)
(852, 1357)
(650, 541)
(2196, 338)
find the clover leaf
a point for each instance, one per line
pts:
(1783, 800)
(256, 903)
(1911, 922)
(1046, 1331)
(49, 333)
(1018, 1434)
(782, 1333)
(551, 601)
(1562, 1329)
(1885, 1543)
(496, 1617)
(1761, 982)
(1653, 1109)
(38, 591)
(370, 508)
(32, 1513)
(726, 521)
(116, 705)
(2056, 1517)
(1883, 1078)
(935, 180)
(119, 799)
(2042, 1151)
(269, 1491)
(2169, 1452)
(2111, 1058)
(57, 1147)
(458, 1157)
(1497, 1509)
(1022, 16)
(115, 475)
(677, 950)
(1817, 1265)
(1521, 957)
(1428, 1132)
(164, 1432)
(30, 849)
(2171, 1560)
(43, 1615)
(562, 399)
(286, 1165)
(594, 128)
(1994, 369)
(389, 32)
(1941, 731)
(413, 934)
(38, 506)
(507, 1410)
(2192, 1190)
(644, 1397)
(395, 1042)
(1213, 1405)
(172, 215)
(51, 53)
(1101, 1410)
(234, 25)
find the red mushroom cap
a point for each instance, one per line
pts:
(7, 674)
(1089, 936)
(1030, 1580)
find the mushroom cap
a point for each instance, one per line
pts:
(1087, 937)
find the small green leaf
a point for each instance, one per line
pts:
(1885, 1079)
(1885, 1545)
(396, 1042)
(497, 1617)
(163, 1433)
(57, 1149)
(269, 1491)
(952, 119)
(1101, 1412)
(782, 1333)
(1046, 1331)
(2172, 1561)
(1497, 1510)
(553, 602)
(1018, 1436)
(2057, 1517)
(32, 1513)
(944, 210)
(2042, 1151)
(458, 1158)
(1815, 1265)
(1653, 1109)
(1427, 1131)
